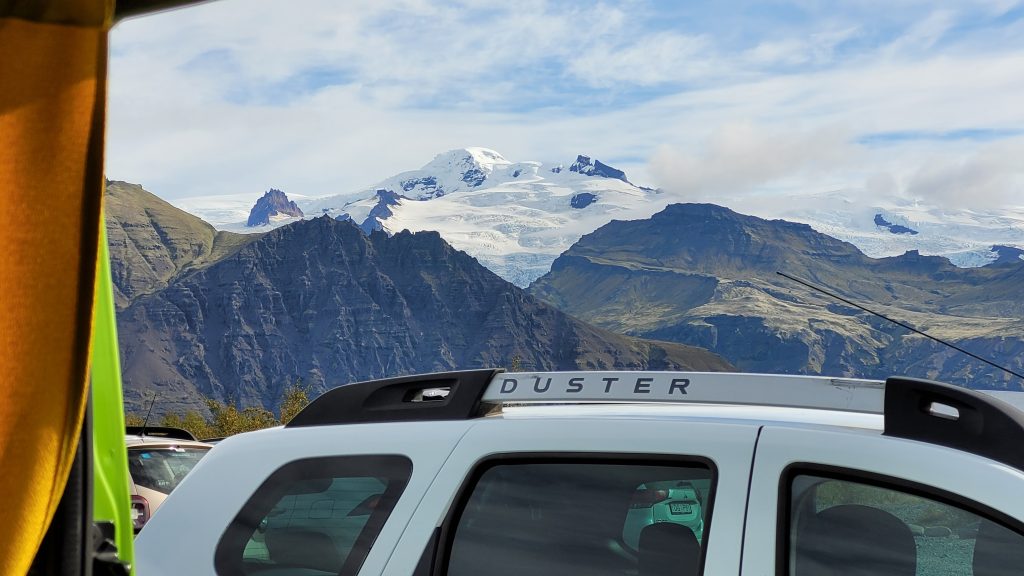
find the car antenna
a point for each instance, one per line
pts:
(148, 412)
(898, 323)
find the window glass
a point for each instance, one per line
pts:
(868, 529)
(312, 517)
(593, 518)
(161, 469)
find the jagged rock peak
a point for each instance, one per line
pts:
(272, 205)
(582, 200)
(881, 222)
(381, 211)
(1007, 255)
(584, 165)
(388, 197)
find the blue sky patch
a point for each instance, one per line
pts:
(971, 134)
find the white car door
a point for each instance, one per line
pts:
(865, 503)
(558, 493)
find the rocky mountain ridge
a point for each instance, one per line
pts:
(707, 276)
(322, 301)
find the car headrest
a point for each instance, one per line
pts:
(854, 540)
(667, 548)
(998, 551)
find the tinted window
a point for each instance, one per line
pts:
(161, 469)
(594, 518)
(869, 529)
(316, 516)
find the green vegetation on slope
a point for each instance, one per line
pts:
(227, 420)
(151, 242)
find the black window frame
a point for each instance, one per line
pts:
(445, 538)
(876, 480)
(397, 467)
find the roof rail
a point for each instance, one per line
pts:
(159, 432)
(822, 392)
(439, 396)
(913, 409)
(465, 394)
(955, 417)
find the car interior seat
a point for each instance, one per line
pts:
(583, 523)
(303, 548)
(668, 549)
(497, 540)
(998, 551)
(854, 540)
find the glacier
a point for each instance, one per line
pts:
(517, 217)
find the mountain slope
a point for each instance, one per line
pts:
(321, 301)
(151, 241)
(705, 275)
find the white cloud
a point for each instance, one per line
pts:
(990, 177)
(318, 96)
(743, 158)
(650, 60)
(412, 48)
(816, 48)
(923, 35)
(881, 185)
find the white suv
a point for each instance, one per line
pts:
(676, 501)
(487, 473)
(158, 459)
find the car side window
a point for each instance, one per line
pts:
(841, 526)
(315, 516)
(163, 468)
(599, 518)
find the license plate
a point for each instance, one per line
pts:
(679, 508)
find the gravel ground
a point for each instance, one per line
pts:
(944, 556)
(944, 537)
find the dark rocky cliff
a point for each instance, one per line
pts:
(584, 165)
(321, 301)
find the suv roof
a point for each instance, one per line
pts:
(159, 431)
(161, 435)
(464, 436)
(909, 408)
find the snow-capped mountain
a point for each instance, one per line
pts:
(517, 217)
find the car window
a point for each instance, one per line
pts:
(315, 516)
(162, 469)
(595, 518)
(881, 530)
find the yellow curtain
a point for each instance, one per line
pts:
(52, 96)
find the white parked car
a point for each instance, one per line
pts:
(548, 474)
(676, 501)
(159, 458)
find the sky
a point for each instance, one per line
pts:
(914, 99)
